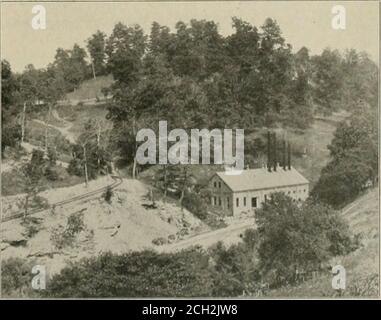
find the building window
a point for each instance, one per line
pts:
(265, 197)
(219, 185)
(215, 184)
(219, 201)
(304, 190)
(228, 202)
(237, 202)
(215, 201)
(254, 202)
(244, 201)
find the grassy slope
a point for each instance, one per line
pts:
(90, 89)
(362, 265)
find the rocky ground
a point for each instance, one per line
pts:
(129, 222)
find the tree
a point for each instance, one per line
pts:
(32, 174)
(96, 45)
(328, 81)
(10, 129)
(124, 50)
(71, 66)
(354, 159)
(93, 154)
(297, 238)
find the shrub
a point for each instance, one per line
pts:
(194, 203)
(65, 237)
(298, 238)
(51, 174)
(32, 226)
(136, 274)
(75, 167)
(108, 194)
(16, 277)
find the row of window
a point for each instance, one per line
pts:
(254, 202)
(289, 192)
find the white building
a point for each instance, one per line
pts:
(235, 194)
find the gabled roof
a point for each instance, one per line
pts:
(258, 179)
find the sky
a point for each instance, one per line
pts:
(303, 23)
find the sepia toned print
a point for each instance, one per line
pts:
(190, 149)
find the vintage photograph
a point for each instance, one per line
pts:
(206, 149)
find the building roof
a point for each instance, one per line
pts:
(258, 179)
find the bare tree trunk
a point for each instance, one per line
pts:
(185, 177)
(23, 123)
(46, 138)
(92, 67)
(135, 160)
(85, 165)
(165, 183)
(98, 143)
(134, 169)
(26, 203)
(47, 129)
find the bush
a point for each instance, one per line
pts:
(16, 277)
(75, 167)
(65, 237)
(298, 238)
(194, 203)
(108, 194)
(135, 274)
(32, 226)
(52, 174)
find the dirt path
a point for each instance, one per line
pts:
(63, 130)
(229, 235)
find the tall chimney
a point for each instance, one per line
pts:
(284, 155)
(275, 157)
(289, 156)
(268, 151)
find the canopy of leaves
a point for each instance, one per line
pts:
(354, 159)
(297, 238)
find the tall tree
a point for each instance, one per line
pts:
(96, 46)
(10, 131)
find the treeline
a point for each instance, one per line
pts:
(196, 77)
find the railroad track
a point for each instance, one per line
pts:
(117, 182)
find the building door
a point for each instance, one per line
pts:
(254, 202)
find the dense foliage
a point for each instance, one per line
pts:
(298, 238)
(354, 159)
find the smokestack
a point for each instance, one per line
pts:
(275, 157)
(284, 155)
(289, 156)
(268, 151)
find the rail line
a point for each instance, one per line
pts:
(20, 214)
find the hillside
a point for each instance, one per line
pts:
(127, 223)
(362, 265)
(90, 89)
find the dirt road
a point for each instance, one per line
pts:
(229, 235)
